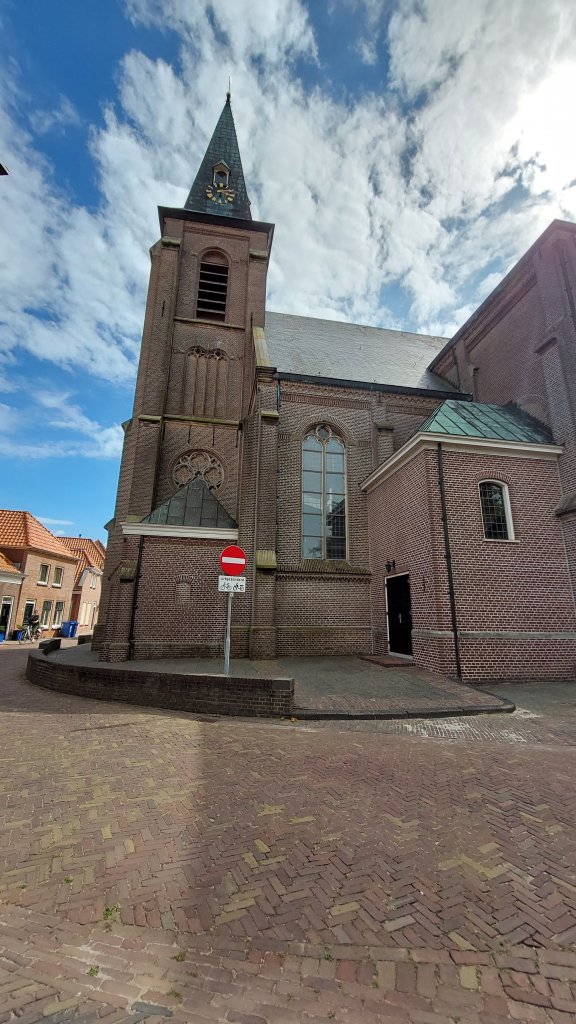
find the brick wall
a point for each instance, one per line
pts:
(86, 602)
(521, 347)
(514, 605)
(254, 697)
(33, 590)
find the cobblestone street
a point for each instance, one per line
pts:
(160, 865)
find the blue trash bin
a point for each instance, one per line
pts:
(73, 628)
(2, 637)
(65, 629)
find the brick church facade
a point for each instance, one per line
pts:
(393, 492)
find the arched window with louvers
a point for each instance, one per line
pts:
(212, 287)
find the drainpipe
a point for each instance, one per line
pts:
(448, 556)
(566, 280)
(134, 607)
(256, 503)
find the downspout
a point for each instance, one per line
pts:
(566, 280)
(448, 556)
(135, 600)
(257, 487)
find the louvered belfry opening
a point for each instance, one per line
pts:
(212, 287)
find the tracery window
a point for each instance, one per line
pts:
(323, 495)
(496, 513)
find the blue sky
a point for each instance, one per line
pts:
(408, 152)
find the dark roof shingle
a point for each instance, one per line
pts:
(342, 351)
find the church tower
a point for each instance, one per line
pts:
(184, 473)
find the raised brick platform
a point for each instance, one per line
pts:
(134, 683)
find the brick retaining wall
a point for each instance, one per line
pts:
(205, 694)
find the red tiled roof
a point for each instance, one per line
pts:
(6, 565)
(88, 552)
(93, 550)
(22, 530)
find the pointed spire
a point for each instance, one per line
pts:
(219, 186)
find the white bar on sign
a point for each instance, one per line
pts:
(236, 561)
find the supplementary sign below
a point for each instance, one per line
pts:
(232, 584)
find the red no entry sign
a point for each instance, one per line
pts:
(233, 560)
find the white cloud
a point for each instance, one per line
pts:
(427, 189)
(58, 118)
(55, 522)
(43, 416)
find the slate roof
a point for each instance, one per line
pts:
(22, 530)
(223, 147)
(341, 351)
(192, 505)
(477, 419)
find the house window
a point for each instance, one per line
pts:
(496, 512)
(212, 287)
(58, 574)
(44, 574)
(58, 614)
(323, 495)
(45, 616)
(28, 609)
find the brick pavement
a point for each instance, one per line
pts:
(156, 864)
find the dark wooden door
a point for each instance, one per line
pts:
(399, 615)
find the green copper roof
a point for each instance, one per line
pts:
(192, 505)
(475, 419)
(205, 197)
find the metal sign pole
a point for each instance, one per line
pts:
(227, 638)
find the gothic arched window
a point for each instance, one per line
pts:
(496, 512)
(212, 287)
(323, 495)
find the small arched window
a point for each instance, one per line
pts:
(212, 287)
(220, 175)
(496, 512)
(323, 495)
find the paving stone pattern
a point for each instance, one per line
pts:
(156, 865)
(330, 687)
(380, 686)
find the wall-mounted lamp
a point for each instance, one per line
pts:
(390, 566)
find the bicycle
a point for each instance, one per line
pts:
(29, 634)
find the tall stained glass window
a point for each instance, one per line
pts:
(323, 495)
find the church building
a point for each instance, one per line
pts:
(394, 492)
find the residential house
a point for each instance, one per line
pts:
(88, 580)
(37, 572)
